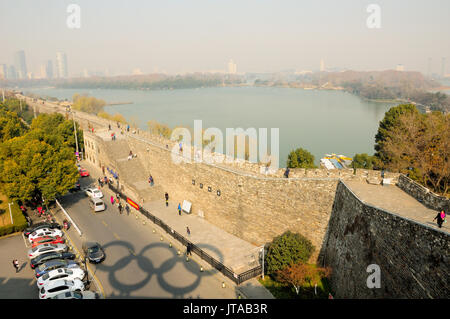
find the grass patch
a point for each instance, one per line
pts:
(20, 222)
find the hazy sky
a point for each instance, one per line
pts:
(199, 35)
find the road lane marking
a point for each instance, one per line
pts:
(87, 265)
(117, 236)
(106, 225)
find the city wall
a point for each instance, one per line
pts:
(423, 194)
(413, 258)
(242, 198)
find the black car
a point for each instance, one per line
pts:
(49, 256)
(37, 226)
(94, 252)
(76, 188)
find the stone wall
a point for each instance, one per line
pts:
(423, 194)
(413, 258)
(253, 204)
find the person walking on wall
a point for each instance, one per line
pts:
(179, 209)
(167, 199)
(127, 208)
(151, 181)
(120, 208)
(440, 217)
(112, 200)
(286, 173)
(188, 231)
(188, 249)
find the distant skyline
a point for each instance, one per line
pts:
(117, 37)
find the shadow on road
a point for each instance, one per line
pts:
(146, 265)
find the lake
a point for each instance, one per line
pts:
(320, 121)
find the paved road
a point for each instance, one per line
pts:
(138, 263)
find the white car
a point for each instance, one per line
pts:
(60, 286)
(45, 232)
(77, 295)
(94, 193)
(60, 273)
(46, 248)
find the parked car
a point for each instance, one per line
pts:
(94, 252)
(46, 248)
(54, 264)
(61, 273)
(77, 295)
(42, 232)
(84, 172)
(97, 204)
(76, 188)
(94, 193)
(60, 286)
(47, 240)
(49, 256)
(41, 225)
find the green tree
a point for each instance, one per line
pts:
(300, 158)
(10, 125)
(363, 161)
(390, 120)
(286, 249)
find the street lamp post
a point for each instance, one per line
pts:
(10, 213)
(262, 263)
(75, 131)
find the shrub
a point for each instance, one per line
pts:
(286, 249)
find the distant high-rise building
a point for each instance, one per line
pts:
(400, 67)
(11, 73)
(443, 67)
(61, 65)
(3, 71)
(49, 69)
(20, 64)
(322, 65)
(232, 67)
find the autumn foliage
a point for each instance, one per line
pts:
(300, 274)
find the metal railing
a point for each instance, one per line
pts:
(237, 278)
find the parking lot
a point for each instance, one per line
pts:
(22, 285)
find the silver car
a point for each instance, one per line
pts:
(94, 193)
(60, 273)
(60, 286)
(77, 295)
(46, 248)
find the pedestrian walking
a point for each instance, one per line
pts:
(109, 127)
(167, 199)
(120, 208)
(127, 208)
(150, 180)
(16, 265)
(179, 209)
(112, 200)
(188, 231)
(118, 197)
(189, 249)
(286, 173)
(440, 217)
